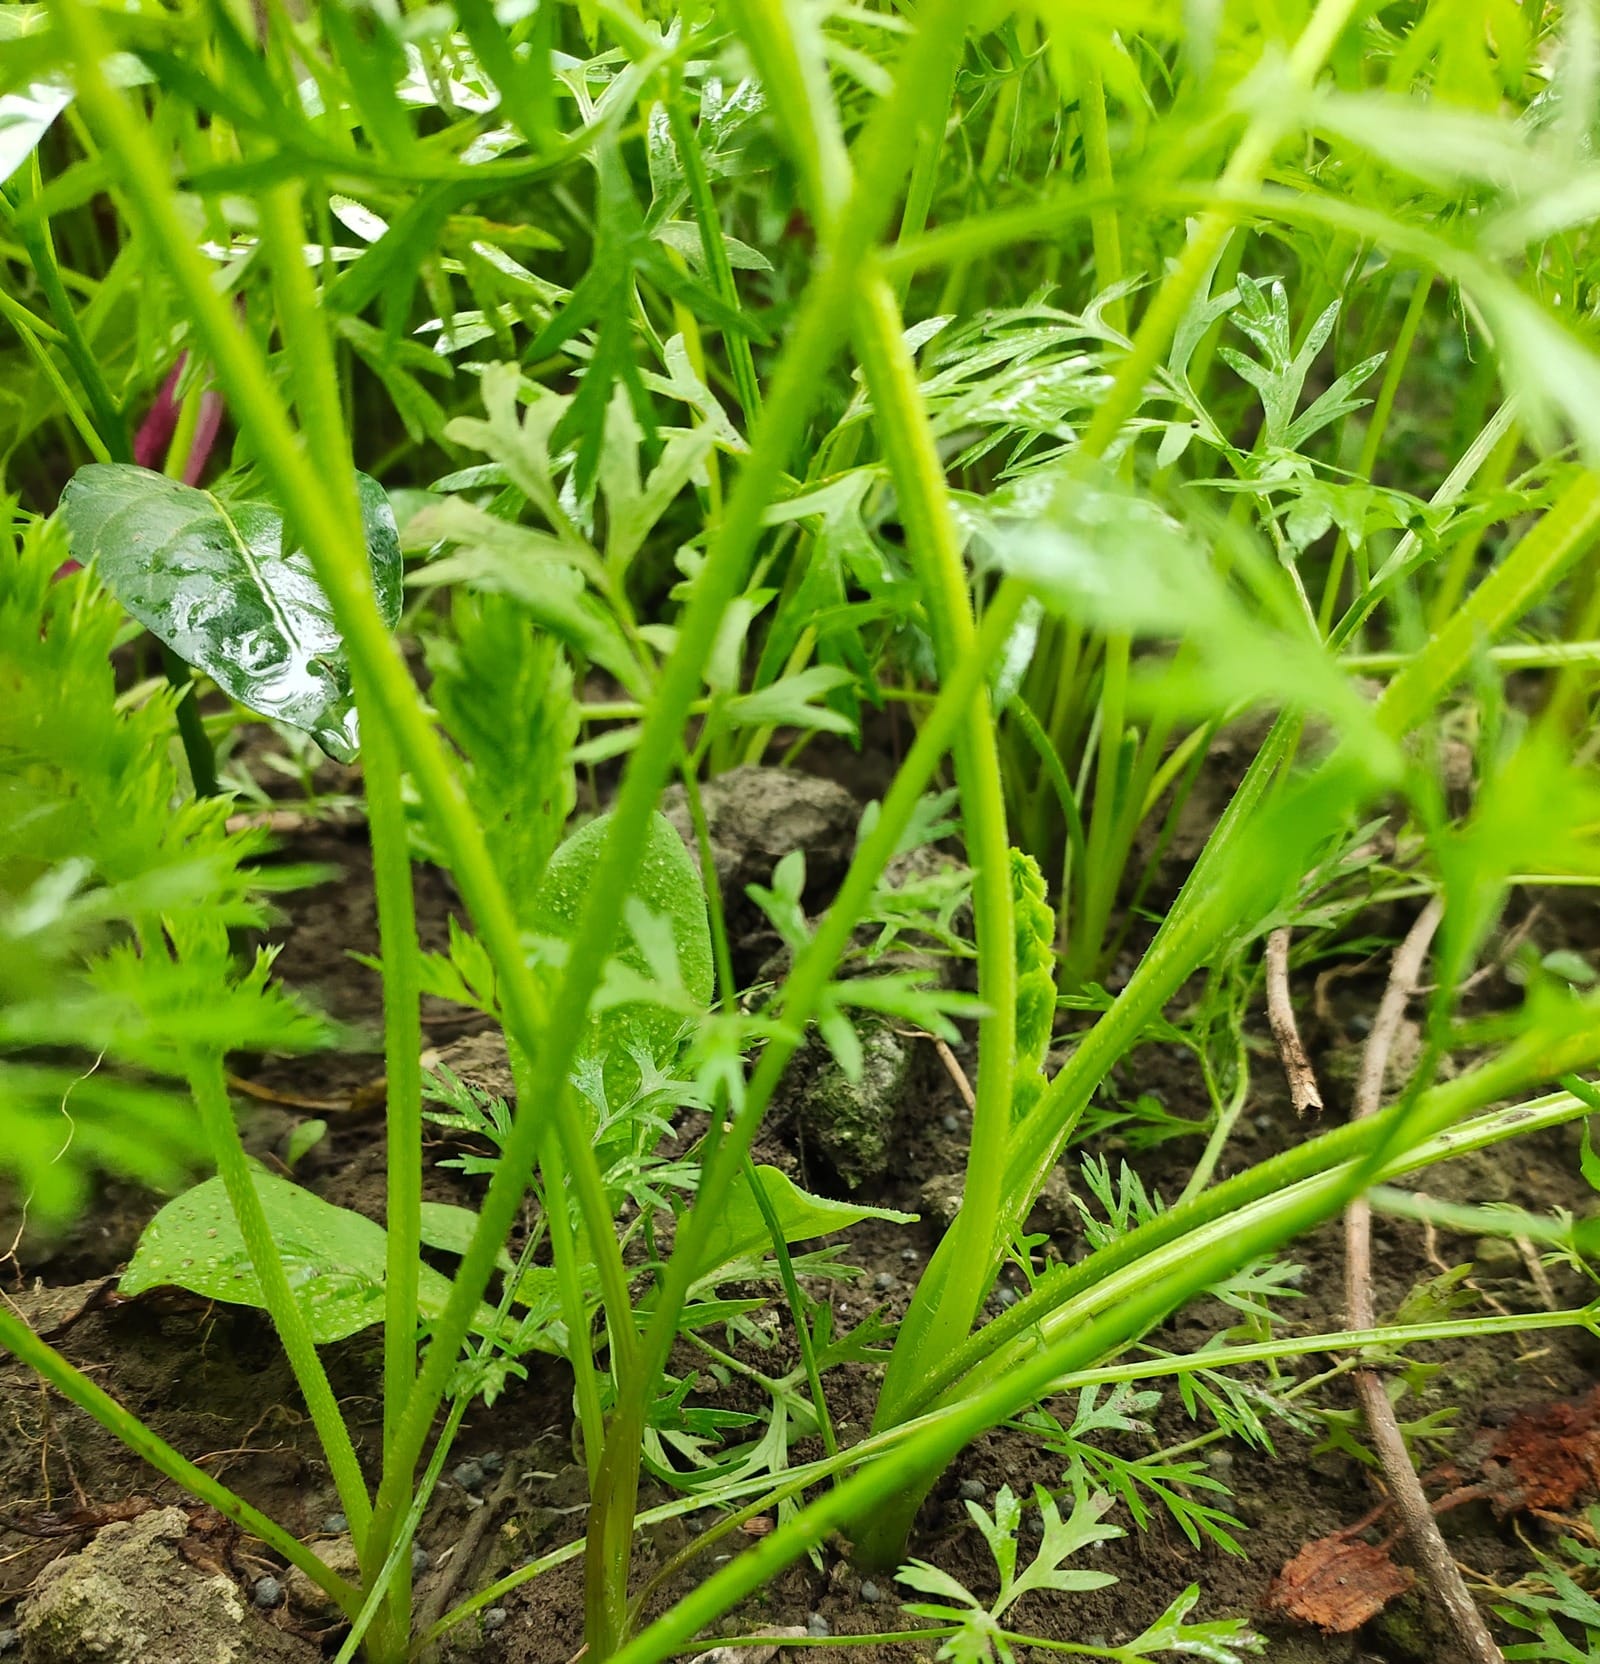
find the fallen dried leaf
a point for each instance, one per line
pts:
(79, 1519)
(1338, 1583)
(1546, 1458)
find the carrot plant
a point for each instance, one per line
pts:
(1054, 377)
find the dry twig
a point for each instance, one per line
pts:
(1421, 1528)
(1303, 1090)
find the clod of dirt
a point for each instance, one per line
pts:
(1338, 1583)
(481, 1060)
(305, 1597)
(756, 816)
(939, 1200)
(131, 1596)
(851, 1122)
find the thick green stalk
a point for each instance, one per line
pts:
(930, 1328)
(210, 1089)
(74, 1386)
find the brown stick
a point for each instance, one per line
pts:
(1421, 1528)
(1303, 1091)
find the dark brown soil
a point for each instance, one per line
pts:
(211, 1380)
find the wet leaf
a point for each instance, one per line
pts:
(669, 887)
(211, 580)
(334, 1258)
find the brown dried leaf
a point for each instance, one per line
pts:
(1338, 1583)
(1546, 1458)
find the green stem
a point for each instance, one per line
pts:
(814, 338)
(803, 991)
(1104, 227)
(937, 1441)
(728, 993)
(24, 1345)
(684, 138)
(1101, 871)
(1377, 430)
(402, 1024)
(1244, 172)
(209, 1086)
(34, 235)
(936, 546)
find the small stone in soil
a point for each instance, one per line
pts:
(469, 1475)
(420, 1560)
(817, 1625)
(268, 1594)
(495, 1618)
(951, 1124)
(1006, 1296)
(491, 1461)
(909, 1255)
(883, 1281)
(971, 1490)
(871, 1593)
(336, 1525)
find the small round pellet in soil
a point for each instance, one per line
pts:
(817, 1626)
(420, 1559)
(883, 1281)
(268, 1594)
(971, 1490)
(495, 1618)
(909, 1255)
(469, 1475)
(1007, 1296)
(871, 1593)
(951, 1124)
(336, 1525)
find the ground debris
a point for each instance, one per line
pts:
(1338, 1583)
(744, 1653)
(1544, 1458)
(137, 1594)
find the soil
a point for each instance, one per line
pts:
(210, 1379)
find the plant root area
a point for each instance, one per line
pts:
(1512, 1428)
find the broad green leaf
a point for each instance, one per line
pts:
(449, 1228)
(741, 1228)
(334, 1258)
(669, 887)
(212, 581)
